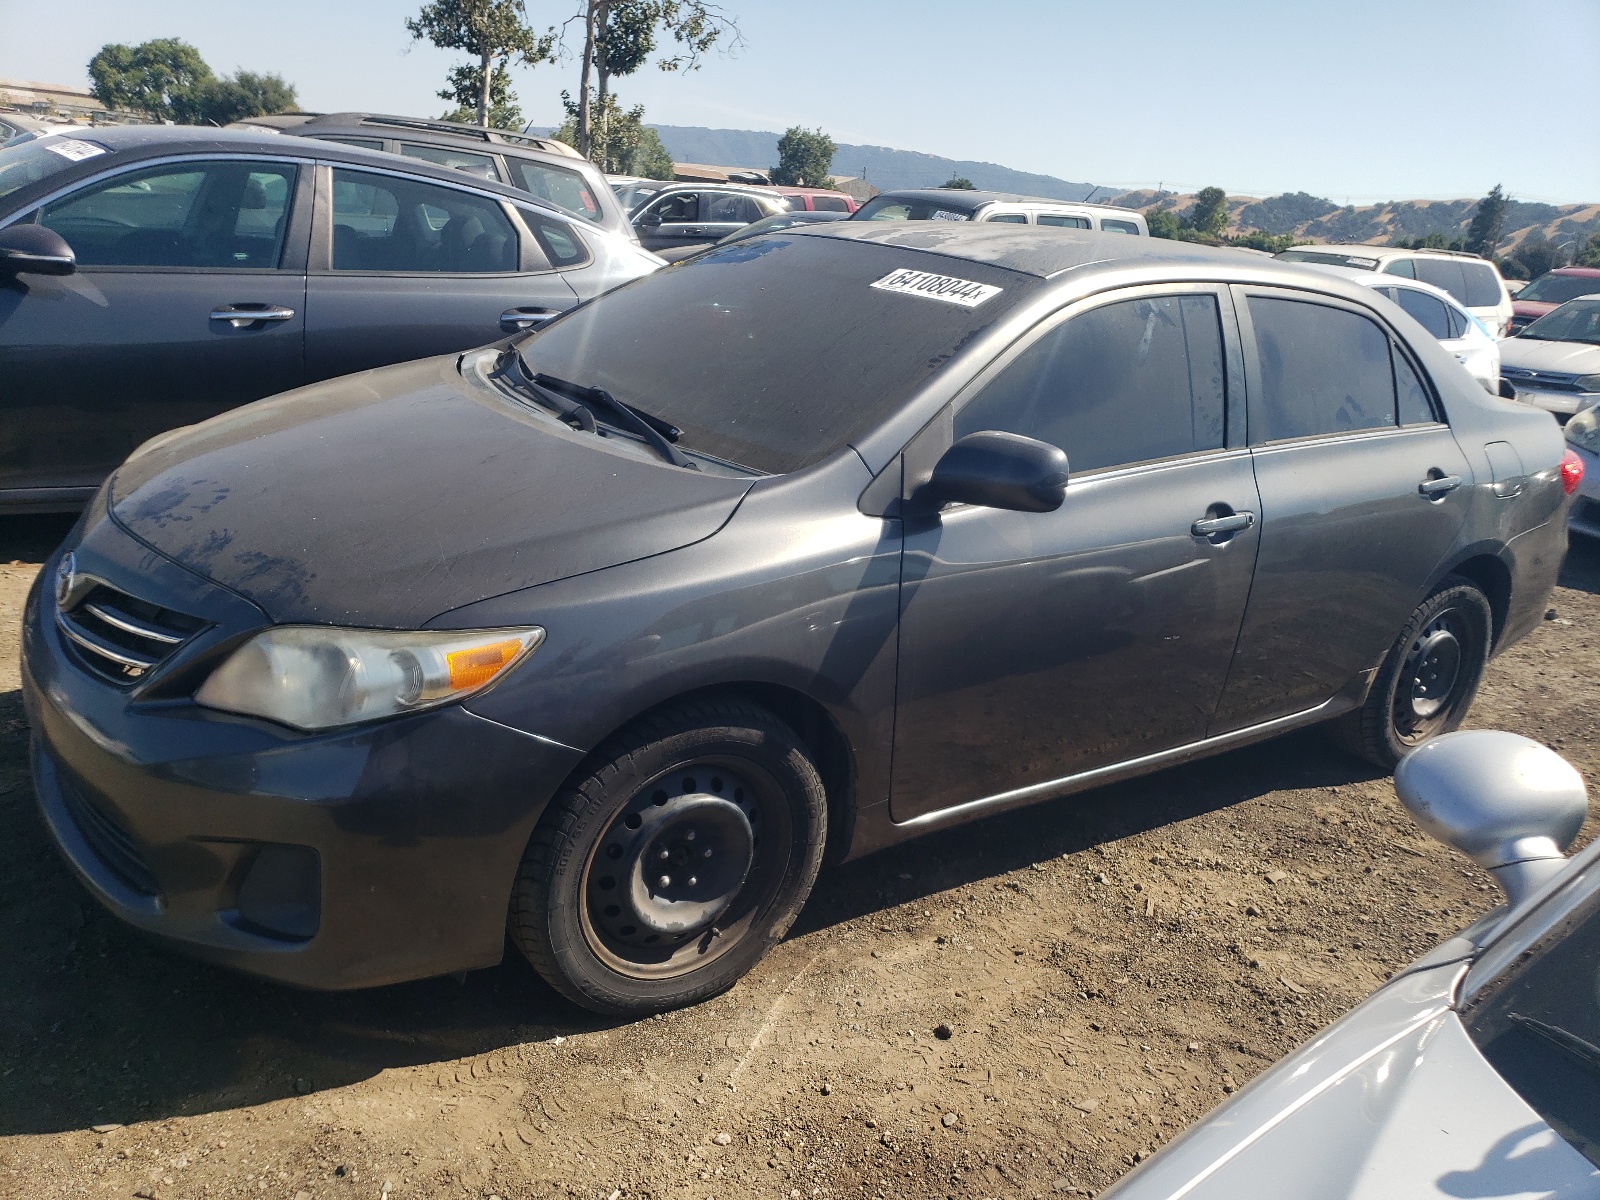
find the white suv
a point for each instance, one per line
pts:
(963, 204)
(1473, 281)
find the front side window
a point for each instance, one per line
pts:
(566, 189)
(677, 208)
(1124, 383)
(390, 223)
(1324, 370)
(196, 215)
(1427, 311)
(1064, 222)
(481, 165)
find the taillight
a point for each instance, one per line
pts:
(1571, 472)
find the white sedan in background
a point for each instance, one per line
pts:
(1554, 363)
(1437, 311)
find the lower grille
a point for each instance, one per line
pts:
(114, 846)
(120, 637)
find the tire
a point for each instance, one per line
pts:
(680, 858)
(1428, 679)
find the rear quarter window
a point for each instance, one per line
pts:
(1444, 273)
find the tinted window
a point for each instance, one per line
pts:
(565, 189)
(1538, 1025)
(678, 207)
(1323, 370)
(1460, 322)
(830, 204)
(775, 351)
(1064, 222)
(558, 242)
(1415, 408)
(725, 206)
(1401, 267)
(228, 214)
(1483, 285)
(481, 165)
(1009, 219)
(1428, 311)
(1119, 227)
(882, 208)
(1549, 289)
(1443, 273)
(1125, 383)
(795, 203)
(385, 223)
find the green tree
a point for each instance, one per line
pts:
(1258, 239)
(247, 94)
(1483, 235)
(1209, 215)
(1587, 253)
(804, 159)
(1163, 222)
(1537, 255)
(164, 78)
(495, 32)
(960, 183)
(622, 143)
(465, 88)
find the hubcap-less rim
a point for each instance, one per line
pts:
(683, 868)
(1431, 679)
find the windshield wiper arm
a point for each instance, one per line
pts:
(570, 410)
(1585, 1052)
(658, 433)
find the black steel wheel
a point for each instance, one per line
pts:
(1428, 679)
(676, 863)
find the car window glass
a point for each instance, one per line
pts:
(566, 189)
(363, 143)
(1123, 383)
(1483, 285)
(224, 214)
(33, 160)
(1414, 406)
(481, 165)
(1119, 227)
(1009, 218)
(1459, 320)
(1538, 1024)
(1401, 267)
(558, 241)
(1323, 370)
(730, 206)
(389, 223)
(678, 207)
(1443, 273)
(1427, 311)
(1549, 289)
(830, 204)
(1062, 221)
(881, 209)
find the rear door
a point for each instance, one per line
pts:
(188, 300)
(728, 212)
(405, 267)
(1363, 493)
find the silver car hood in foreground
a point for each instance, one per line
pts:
(1393, 1100)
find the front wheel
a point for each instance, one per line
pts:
(665, 874)
(1428, 679)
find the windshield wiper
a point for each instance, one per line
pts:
(1585, 1052)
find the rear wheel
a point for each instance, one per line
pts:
(671, 868)
(1428, 679)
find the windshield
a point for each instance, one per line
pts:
(775, 352)
(1558, 289)
(887, 208)
(1328, 259)
(25, 162)
(1538, 1024)
(1574, 321)
(632, 195)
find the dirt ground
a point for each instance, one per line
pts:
(1019, 1008)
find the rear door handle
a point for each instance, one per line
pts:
(514, 320)
(1435, 488)
(242, 315)
(1232, 523)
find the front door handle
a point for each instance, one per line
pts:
(1232, 523)
(514, 320)
(1439, 487)
(243, 315)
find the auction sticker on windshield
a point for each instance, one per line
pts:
(965, 292)
(75, 150)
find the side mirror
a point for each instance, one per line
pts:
(35, 250)
(1506, 802)
(997, 470)
(649, 220)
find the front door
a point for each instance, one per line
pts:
(410, 268)
(672, 222)
(188, 300)
(1035, 646)
(1363, 492)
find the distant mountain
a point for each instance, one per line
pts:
(883, 167)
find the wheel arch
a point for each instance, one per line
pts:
(1486, 568)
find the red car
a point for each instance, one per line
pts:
(1549, 290)
(804, 199)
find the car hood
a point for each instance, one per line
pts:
(1530, 354)
(1394, 1100)
(387, 498)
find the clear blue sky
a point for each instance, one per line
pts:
(1365, 99)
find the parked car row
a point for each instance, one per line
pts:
(1474, 282)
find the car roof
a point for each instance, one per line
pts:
(1044, 250)
(149, 141)
(1582, 272)
(969, 199)
(375, 123)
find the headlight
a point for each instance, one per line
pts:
(1583, 430)
(1588, 383)
(319, 677)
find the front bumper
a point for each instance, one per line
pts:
(393, 847)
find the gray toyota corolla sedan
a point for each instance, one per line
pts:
(612, 632)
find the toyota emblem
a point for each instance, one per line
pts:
(66, 579)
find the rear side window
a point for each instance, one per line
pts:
(1063, 222)
(1125, 383)
(559, 241)
(1323, 371)
(567, 190)
(1483, 285)
(1428, 311)
(1401, 267)
(1009, 219)
(724, 206)
(481, 165)
(1443, 273)
(206, 215)
(1119, 227)
(1414, 405)
(389, 223)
